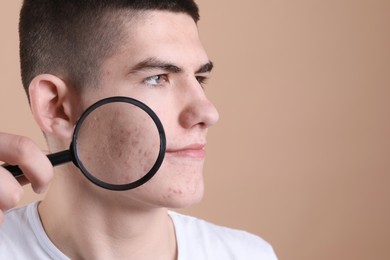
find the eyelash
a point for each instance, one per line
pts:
(202, 80)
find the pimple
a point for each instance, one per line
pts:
(134, 143)
(176, 191)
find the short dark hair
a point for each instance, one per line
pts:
(72, 37)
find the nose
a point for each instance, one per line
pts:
(198, 110)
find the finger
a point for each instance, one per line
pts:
(21, 151)
(10, 190)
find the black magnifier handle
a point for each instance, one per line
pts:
(55, 159)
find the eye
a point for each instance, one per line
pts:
(202, 80)
(156, 80)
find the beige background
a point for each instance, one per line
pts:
(301, 153)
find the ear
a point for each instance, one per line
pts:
(51, 100)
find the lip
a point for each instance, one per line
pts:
(193, 151)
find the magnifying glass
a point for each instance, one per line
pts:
(118, 144)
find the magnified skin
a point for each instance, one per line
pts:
(118, 143)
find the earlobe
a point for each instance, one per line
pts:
(50, 99)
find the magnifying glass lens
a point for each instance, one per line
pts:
(118, 144)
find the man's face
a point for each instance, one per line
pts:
(161, 63)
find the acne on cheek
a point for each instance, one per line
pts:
(133, 152)
(126, 141)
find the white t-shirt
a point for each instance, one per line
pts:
(22, 237)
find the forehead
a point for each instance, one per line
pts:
(161, 34)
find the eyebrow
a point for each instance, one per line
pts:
(208, 67)
(154, 63)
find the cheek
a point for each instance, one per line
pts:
(121, 151)
(133, 151)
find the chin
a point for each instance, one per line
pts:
(172, 187)
(178, 185)
(184, 200)
(181, 195)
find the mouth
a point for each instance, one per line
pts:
(193, 151)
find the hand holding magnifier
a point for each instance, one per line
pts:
(118, 144)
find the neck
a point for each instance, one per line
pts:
(103, 227)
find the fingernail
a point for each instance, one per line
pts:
(40, 189)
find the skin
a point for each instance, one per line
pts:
(18, 150)
(161, 63)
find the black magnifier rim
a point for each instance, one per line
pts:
(152, 171)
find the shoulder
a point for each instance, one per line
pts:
(217, 242)
(15, 221)
(22, 236)
(14, 231)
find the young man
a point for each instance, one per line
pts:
(74, 53)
